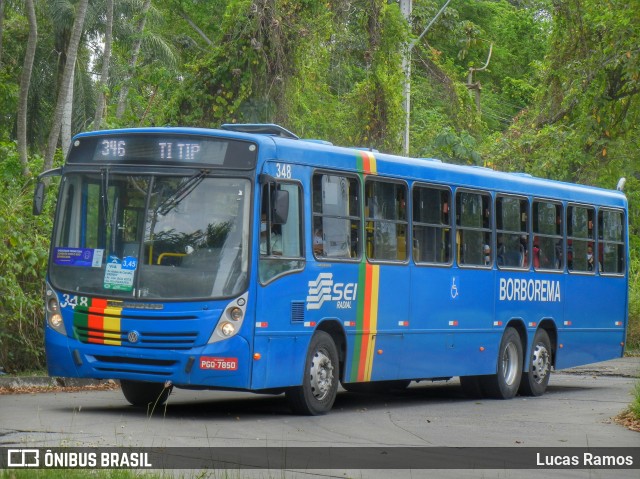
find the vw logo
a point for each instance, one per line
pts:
(133, 336)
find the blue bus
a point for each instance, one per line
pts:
(248, 259)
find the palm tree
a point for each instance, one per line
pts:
(25, 81)
(1, 25)
(124, 90)
(106, 59)
(67, 78)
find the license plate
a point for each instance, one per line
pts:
(219, 364)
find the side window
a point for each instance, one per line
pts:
(473, 218)
(512, 226)
(547, 235)
(386, 220)
(611, 236)
(336, 217)
(580, 239)
(280, 230)
(431, 225)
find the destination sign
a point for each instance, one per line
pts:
(147, 148)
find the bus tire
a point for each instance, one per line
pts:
(534, 382)
(143, 394)
(319, 387)
(505, 383)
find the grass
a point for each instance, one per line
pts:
(111, 474)
(114, 474)
(634, 407)
(77, 474)
(27, 374)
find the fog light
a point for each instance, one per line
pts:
(227, 329)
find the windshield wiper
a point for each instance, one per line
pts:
(109, 213)
(181, 193)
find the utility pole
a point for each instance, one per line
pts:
(406, 8)
(476, 87)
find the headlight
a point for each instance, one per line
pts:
(55, 320)
(53, 306)
(231, 320)
(227, 329)
(54, 316)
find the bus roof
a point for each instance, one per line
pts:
(437, 172)
(319, 154)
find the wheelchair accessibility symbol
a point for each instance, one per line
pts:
(454, 288)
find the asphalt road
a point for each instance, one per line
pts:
(577, 411)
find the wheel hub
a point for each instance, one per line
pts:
(510, 363)
(321, 375)
(540, 363)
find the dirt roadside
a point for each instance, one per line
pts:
(624, 367)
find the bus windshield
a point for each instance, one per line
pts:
(151, 236)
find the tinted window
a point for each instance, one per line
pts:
(611, 237)
(513, 232)
(336, 217)
(386, 220)
(431, 225)
(547, 235)
(580, 239)
(473, 218)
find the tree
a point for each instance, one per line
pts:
(25, 81)
(124, 89)
(2, 4)
(106, 60)
(67, 78)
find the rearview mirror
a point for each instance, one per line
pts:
(38, 198)
(280, 207)
(41, 189)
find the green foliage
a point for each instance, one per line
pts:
(23, 260)
(456, 148)
(633, 331)
(376, 117)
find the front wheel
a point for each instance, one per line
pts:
(504, 384)
(319, 386)
(535, 381)
(143, 394)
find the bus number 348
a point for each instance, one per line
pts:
(283, 170)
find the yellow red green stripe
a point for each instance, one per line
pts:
(98, 323)
(366, 323)
(367, 305)
(367, 163)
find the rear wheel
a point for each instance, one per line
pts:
(143, 394)
(504, 384)
(535, 381)
(319, 386)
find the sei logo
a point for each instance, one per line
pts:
(323, 290)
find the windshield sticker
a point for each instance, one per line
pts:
(118, 275)
(83, 257)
